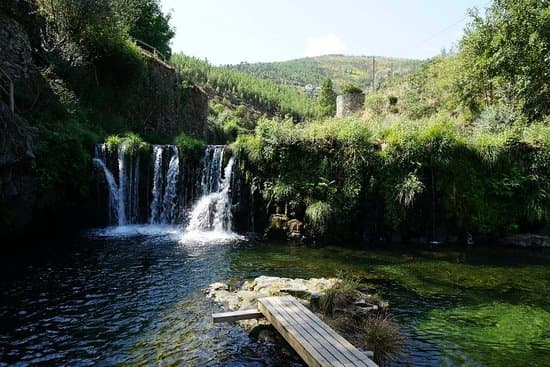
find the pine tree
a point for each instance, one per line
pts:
(327, 99)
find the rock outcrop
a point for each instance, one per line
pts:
(19, 40)
(244, 296)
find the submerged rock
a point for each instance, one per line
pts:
(246, 296)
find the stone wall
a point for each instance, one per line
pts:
(167, 108)
(349, 104)
(194, 111)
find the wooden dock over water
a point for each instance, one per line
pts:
(311, 338)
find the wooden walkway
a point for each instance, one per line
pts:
(311, 338)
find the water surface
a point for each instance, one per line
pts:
(132, 297)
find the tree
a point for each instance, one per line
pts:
(327, 99)
(505, 57)
(349, 88)
(152, 26)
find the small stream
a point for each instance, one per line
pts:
(131, 296)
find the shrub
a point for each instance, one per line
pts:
(189, 146)
(131, 143)
(377, 333)
(318, 215)
(408, 190)
(496, 118)
(339, 296)
(349, 88)
(383, 337)
(375, 102)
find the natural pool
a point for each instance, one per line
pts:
(133, 298)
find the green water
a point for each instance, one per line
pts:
(468, 306)
(134, 298)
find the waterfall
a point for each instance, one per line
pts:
(174, 184)
(156, 204)
(169, 202)
(122, 187)
(113, 202)
(164, 207)
(213, 210)
(212, 168)
(123, 198)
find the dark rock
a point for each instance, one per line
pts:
(526, 240)
(277, 227)
(17, 192)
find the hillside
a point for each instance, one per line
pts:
(242, 88)
(341, 69)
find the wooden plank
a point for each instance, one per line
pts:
(323, 329)
(313, 340)
(311, 333)
(301, 346)
(236, 316)
(338, 345)
(305, 331)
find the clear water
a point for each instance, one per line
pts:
(132, 297)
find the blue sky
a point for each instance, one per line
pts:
(231, 31)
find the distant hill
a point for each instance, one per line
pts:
(341, 69)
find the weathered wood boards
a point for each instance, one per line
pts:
(313, 340)
(236, 316)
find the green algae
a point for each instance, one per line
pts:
(496, 334)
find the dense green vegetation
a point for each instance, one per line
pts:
(89, 86)
(429, 154)
(341, 69)
(239, 87)
(327, 99)
(460, 141)
(478, 181)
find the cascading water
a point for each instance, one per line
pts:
(212, 169)
(113, 200)
(211, 216)
(164, 207)
(173, 185)
(158, 177)
(169, 202)
(213, 211)
(123, 198)
(122, 187)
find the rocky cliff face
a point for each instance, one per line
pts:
(17, 163)
(168, 108)
(165, 108)
(19, 39)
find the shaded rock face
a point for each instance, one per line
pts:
(194, 111)
(19, 42)
(161, 100)
(17, 194)
(348, 104)
(167, 108)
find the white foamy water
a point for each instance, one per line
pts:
(136, 230)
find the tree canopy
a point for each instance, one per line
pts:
(327, 99)
(505, 56)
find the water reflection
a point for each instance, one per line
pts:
(133, 297)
